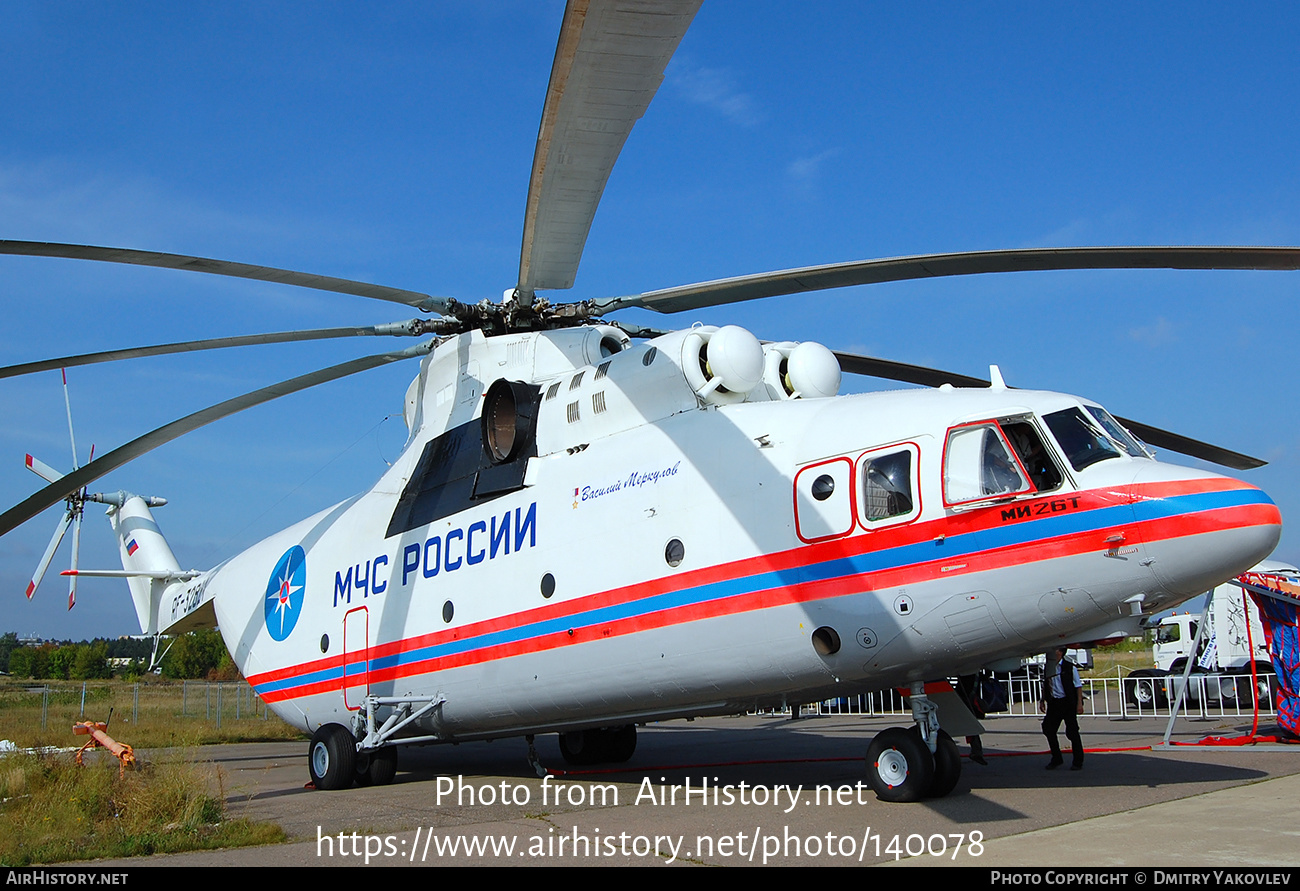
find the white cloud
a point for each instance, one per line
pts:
(714, 88)
(1160, 333)
(805, 172)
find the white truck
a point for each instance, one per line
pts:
(1233, 641)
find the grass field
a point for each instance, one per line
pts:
(53, 811)
(155, 714)
(1128, 656)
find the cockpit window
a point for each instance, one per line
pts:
(978, 465)
(1080, 438)
(1125, 440)
(1034, 456)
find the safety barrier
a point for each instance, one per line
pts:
(46, 704)
(1123, 696)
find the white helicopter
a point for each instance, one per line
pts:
(778, 543)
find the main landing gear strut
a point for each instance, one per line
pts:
(365, 754)
(911, 763)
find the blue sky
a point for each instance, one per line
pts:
(392, 143)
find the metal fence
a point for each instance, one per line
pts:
(1136, 696)
(207, 701)
(1131, 696)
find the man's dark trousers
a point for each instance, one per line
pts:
(1059, 710)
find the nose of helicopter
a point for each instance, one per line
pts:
(1201, 528)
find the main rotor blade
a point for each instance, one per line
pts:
(1174, 442)
(901, 371)
(65, 486)
(420, 301)
(409, 328)
(869, 272)
(934, 377)
(608, 65)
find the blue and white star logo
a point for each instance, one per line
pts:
(284, 593)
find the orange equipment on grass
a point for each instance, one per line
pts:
(100, 739)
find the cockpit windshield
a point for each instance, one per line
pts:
(1125, 440)
(1080, 438)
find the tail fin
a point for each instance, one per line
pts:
(166, 597)
(143, 548)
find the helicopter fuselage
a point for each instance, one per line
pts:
(646, 553)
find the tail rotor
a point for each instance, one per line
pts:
(74, 509)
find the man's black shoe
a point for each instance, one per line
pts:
(1055, 763)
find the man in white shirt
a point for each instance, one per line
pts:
(1062, 701)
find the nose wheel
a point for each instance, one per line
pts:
(947, 766)
(901, 765)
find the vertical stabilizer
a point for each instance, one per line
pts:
(143, 549)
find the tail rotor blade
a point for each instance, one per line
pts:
(49, 554)
(67, 401)
(76, 549)
(43, 470)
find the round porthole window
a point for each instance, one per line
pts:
(675, 552)
(548, 585)
(448, 611)
(823, 486)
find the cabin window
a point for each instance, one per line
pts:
(1079, 437)
(887, 485)
(823, 500)
(978, 464)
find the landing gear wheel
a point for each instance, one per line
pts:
(947, 766)
(361, 766)
(332, 757)
(383, 766)
(376, 767)
(622, 743)
(899, 766)
(582, 747)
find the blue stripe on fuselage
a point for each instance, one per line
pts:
(953, 547)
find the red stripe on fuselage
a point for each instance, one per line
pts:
(1039, 549)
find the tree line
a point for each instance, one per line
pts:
(197, 655)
